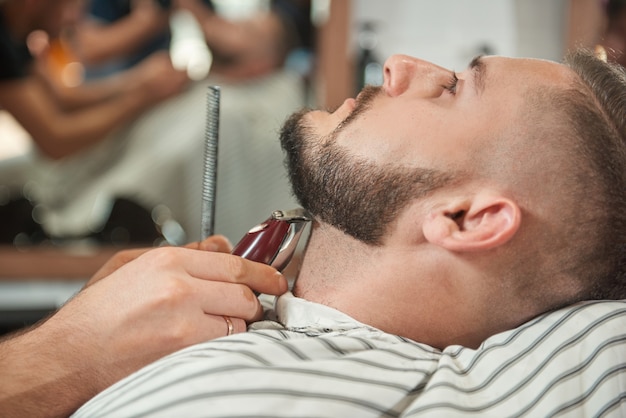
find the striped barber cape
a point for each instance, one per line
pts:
(313, 361)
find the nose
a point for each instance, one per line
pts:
(403, 73)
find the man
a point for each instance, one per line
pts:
(437, 226)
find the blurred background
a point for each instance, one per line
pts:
(61, 217)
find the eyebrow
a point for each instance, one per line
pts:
(479, 69)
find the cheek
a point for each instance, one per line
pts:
(374, 146)
(381, 138)
(425, 136)
(321, 123)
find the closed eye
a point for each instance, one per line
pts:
(450, 86)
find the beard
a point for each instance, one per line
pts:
(359, 197)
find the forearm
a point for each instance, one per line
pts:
(81, 129)
(89, 93)
(43, 374)
(96, 43)
(59, 133)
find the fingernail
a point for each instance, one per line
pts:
(283, 280)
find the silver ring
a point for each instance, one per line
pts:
(229, 324)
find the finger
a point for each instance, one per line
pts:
(216, 326)
(216, 243)
(236, 325)
(232, 269)
(258, 315)
(219, 298)
(192, 245)
(239, 325)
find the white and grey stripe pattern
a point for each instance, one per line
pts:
(318, 362)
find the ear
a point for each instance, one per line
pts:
(480, 223)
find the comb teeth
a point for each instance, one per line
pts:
(209, 178)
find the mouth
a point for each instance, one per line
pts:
(352, 108)
(346, 108)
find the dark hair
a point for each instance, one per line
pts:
(614, 8)
(596, 109)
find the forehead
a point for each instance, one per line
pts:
(502, 104)
(512, 88)
(520, 92)
(519, 73)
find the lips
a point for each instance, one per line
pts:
(345, 109)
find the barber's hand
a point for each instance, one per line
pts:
(164, 300)
(152, 303)
(216, 243)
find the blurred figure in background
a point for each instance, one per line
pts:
(157, 161)
(77, 129)
(250, 43)
(116, 35)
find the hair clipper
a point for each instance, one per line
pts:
(274, 241)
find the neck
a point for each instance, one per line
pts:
(330, 268)
(375, 285)
(413, 290)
